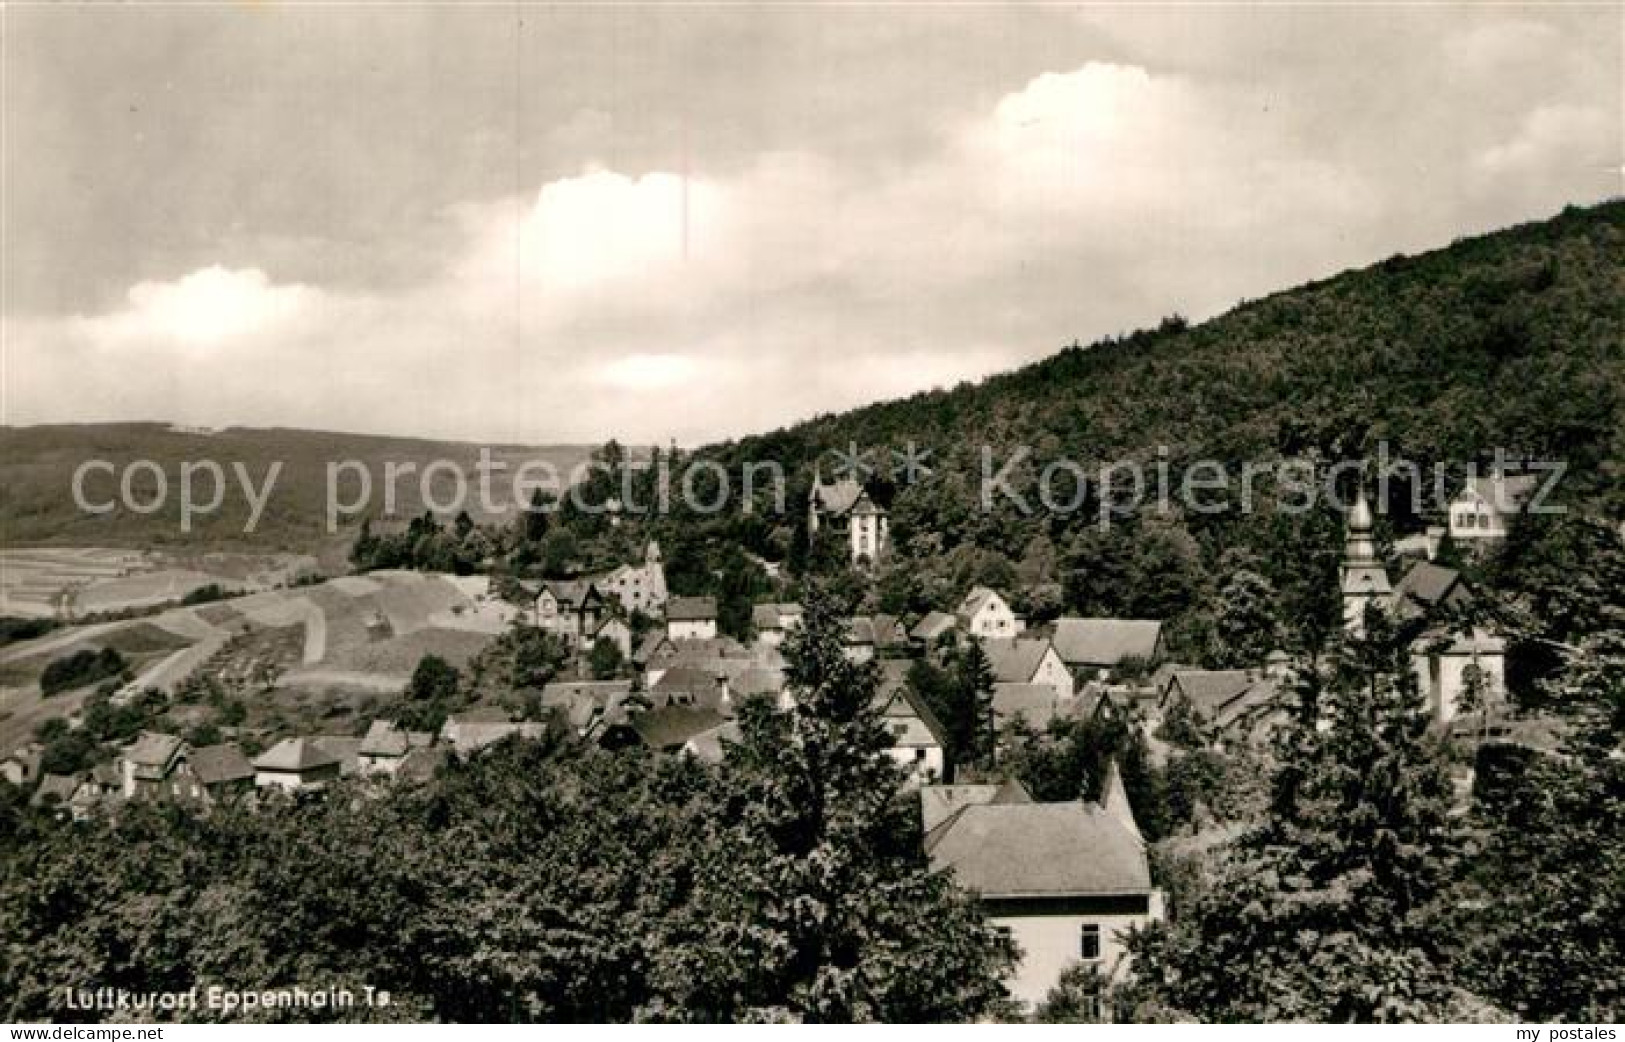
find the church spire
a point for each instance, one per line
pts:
(1365, 580)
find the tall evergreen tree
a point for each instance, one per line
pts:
(1327, 911)
(824, 907)
(974, 676)
(1541, 912)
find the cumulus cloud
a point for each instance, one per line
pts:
(207, 308)
(720, 298)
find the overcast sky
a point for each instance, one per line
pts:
(561, 224)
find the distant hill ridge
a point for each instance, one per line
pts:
(37, 466)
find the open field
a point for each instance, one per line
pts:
(335, 645)
(75, 582)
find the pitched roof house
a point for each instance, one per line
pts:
(919, 741)
(983, 613)
(1067, 879)
(932, 628)
(55, 790)
(1029, 660)
(221, 771)
(847, 510)
(1105, 643)
(297, 765)
(938, 803)
(691, 617)
(711, 745)
(1428, 586)
(150, 763)
(468, 733)
(773, 620)
(1035, 705)
(570, 609)
(1237, 705)
(586, 704)
(384, 748)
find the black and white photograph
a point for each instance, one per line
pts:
(790, 513)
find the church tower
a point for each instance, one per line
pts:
(1365, 580)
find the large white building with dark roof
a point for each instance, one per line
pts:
(846, 509)
(1067, 879)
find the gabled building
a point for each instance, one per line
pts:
(983, 613)
(938, 803)
(692, 686)
(891, 638)
(347, 748)
(638, 587)
(670, 729)
(587, 704)
(615, 630)
(1069, 880)
(1487, 504)
(1445, 662)
(1035, 705)
(773, 621)
(469, 732)
(56, 792)
(150, 764)
(1098, 646)
(846, 509)
(691, 618)
(384, 749)
(919, 741)
(934, 628)
(713, 652)
(571, 610)
(221, 772)
(1427, 587)
(1235, 706)
(711, 746)
(99, 788)
(1029, 660)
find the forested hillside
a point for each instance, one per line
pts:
(1513, 341)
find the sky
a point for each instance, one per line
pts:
(534, 224)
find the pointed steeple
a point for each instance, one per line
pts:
(1364, 579)
(1114, 800)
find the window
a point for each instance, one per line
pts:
(919, 755)
(1089, 942)
(899, 730)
